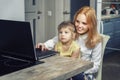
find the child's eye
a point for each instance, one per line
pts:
(66, 32)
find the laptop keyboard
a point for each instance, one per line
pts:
(9, 64)
(44, 54)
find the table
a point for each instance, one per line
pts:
(53, 68)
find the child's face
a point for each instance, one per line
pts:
(65, 35)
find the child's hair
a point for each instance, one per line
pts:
(67, 24)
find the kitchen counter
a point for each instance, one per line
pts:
(104, 17)
(53, 68)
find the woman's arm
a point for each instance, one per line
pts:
(48, 45)
(51, 43)
(96, 58)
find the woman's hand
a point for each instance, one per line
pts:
(41, 46)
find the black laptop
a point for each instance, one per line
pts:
(17, 50)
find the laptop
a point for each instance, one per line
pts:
(17, 50)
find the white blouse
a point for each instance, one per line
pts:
(93, 55)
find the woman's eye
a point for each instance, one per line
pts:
(77, 21)
(84, 23)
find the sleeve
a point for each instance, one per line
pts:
(96, 59)
(75, 47)
(56, 47)
(51, 43)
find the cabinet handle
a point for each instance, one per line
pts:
(66, 12)
(39, 12)
(106, 21)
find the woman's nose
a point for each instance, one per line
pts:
(79, 25)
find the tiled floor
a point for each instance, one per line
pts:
(111, 66)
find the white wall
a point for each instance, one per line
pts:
(12, 10)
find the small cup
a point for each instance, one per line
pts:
(116, 12)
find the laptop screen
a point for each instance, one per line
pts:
(16, 39)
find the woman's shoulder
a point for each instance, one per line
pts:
(98, 39)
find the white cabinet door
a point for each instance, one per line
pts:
(62, 11)
(66, 9)
(45, 16)
(34, 15)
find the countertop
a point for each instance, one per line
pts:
(104, 17)
(53, 68)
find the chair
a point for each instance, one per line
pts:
(104, 42)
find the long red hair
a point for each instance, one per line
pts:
(93, 35)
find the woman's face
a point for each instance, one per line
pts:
(81, 24)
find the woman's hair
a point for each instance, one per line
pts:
(69, 25)
(93, 36)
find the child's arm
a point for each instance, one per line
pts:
(55, 47)
(76, 53)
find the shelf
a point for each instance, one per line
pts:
(111, 2)
(104, 17)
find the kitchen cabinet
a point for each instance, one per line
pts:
(109, 23)
(111, 27)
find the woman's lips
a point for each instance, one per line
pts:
(79, 29)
